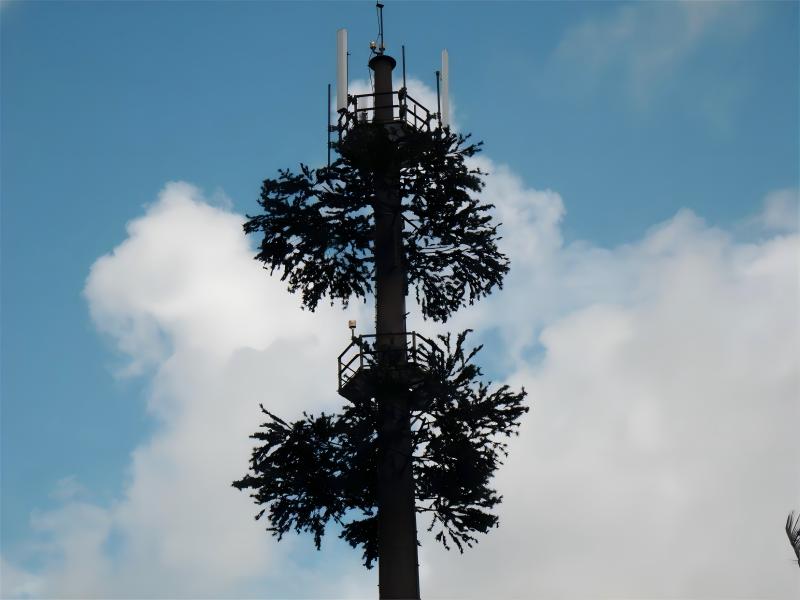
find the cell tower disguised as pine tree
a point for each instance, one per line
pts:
(420, 433)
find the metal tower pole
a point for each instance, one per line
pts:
(398, 572)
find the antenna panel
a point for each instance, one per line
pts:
(341, 69)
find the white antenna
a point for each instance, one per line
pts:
(341, 69)
(445, 118)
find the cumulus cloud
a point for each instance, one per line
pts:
(188, 306)
(18, 583)
(661, 453)
(658, 460)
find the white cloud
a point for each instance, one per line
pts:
(781, 211)
(68, 488)
(647, 43)
(185, 301)
(660, 457)
(18, 583)
(658, 460)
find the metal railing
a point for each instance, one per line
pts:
(361, 109)
(363, 352)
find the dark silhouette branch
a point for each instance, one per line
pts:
(322, 469)
(317, 226)
(793, 533)
(317, 230)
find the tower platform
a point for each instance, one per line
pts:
(396, 111)
(406, 364)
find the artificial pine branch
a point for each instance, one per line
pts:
(317, 225)
(322, 469)
(793, 533)
(317, 230)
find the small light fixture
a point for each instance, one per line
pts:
(373, 45)
(352, 325)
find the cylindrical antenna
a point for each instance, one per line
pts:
(341, 69)
(445, 108)
(404, 66)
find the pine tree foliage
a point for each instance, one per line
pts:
(460, 438)
(793, 533)
(323, 469)
(317, 225)
(317, 229)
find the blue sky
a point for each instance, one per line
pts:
(622, 126)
